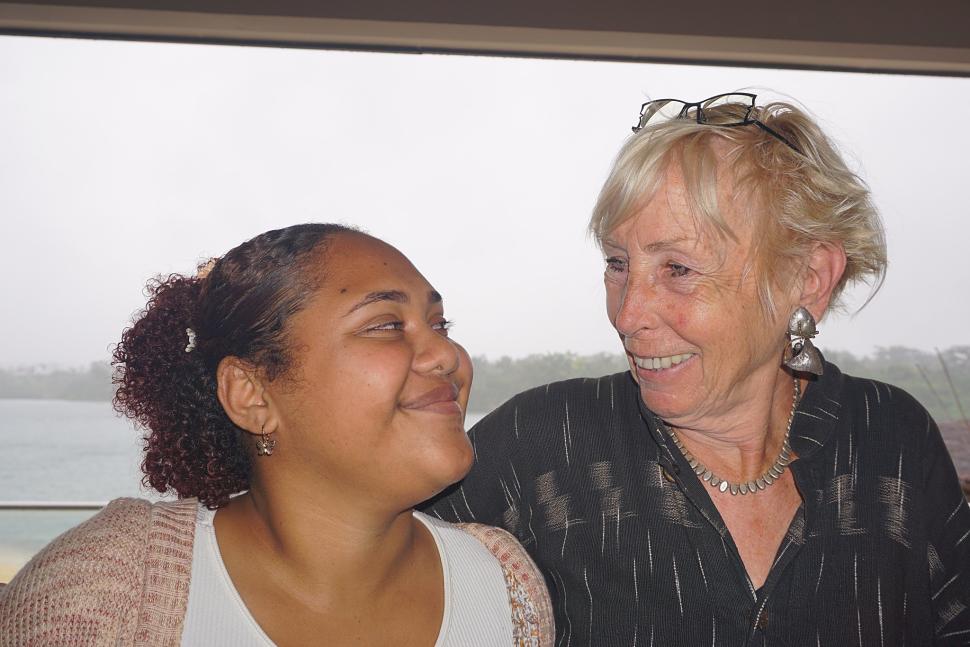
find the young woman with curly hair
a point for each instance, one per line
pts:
(300, 396)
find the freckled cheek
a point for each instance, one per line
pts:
(686, 320)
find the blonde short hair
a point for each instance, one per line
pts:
(796, 198)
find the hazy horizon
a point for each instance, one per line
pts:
(43, 367)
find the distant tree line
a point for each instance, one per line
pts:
(496, 380)
(41, 383)
(919, 372)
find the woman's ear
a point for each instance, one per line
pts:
(822, 273)
(243, 396)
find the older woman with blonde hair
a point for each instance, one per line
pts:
(731, 488)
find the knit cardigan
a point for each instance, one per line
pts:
(122, 578)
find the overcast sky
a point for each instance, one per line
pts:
(119, 161)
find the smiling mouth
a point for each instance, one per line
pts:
(660, 363)
(442, 399)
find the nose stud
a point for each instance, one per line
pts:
(442, 369)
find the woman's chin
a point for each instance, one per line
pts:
(450, 466)
(462, 462)
(668, 405)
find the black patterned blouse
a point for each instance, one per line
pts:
(635, 552)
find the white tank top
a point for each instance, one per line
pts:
(476, 601)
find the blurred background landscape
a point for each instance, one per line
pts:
(940, 380)
(936, 378)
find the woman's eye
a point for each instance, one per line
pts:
(443, 326)
(677, 269)
(388, 326)
(615, 264)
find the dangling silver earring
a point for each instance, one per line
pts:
(265, 444)
(801, 355)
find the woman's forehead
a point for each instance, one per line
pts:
(360, 263)
(658, 227)
(713, 214)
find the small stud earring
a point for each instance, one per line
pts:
(265, 444)
(801, 355)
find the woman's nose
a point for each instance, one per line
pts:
(637, 309)
(436, 354)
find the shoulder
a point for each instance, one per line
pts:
(891, 421)
(546, 406)
(79, 586)
(117, 534)
(532, 615)
(585, 389)
(886, 405)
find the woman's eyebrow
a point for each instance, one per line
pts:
(397, 296)
(664, 245)
(381, 295)
(656, 246)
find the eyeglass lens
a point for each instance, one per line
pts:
(722, 110)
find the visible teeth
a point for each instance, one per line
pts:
(655, 363)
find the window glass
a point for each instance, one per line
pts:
(122, 160)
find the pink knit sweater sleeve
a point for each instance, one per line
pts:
(88, 586)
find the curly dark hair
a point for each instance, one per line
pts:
(239, 308)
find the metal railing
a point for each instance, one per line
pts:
(52, 505)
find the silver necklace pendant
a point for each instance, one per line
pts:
(771, 475)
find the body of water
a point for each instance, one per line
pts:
(67, 451)
(56, 450)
